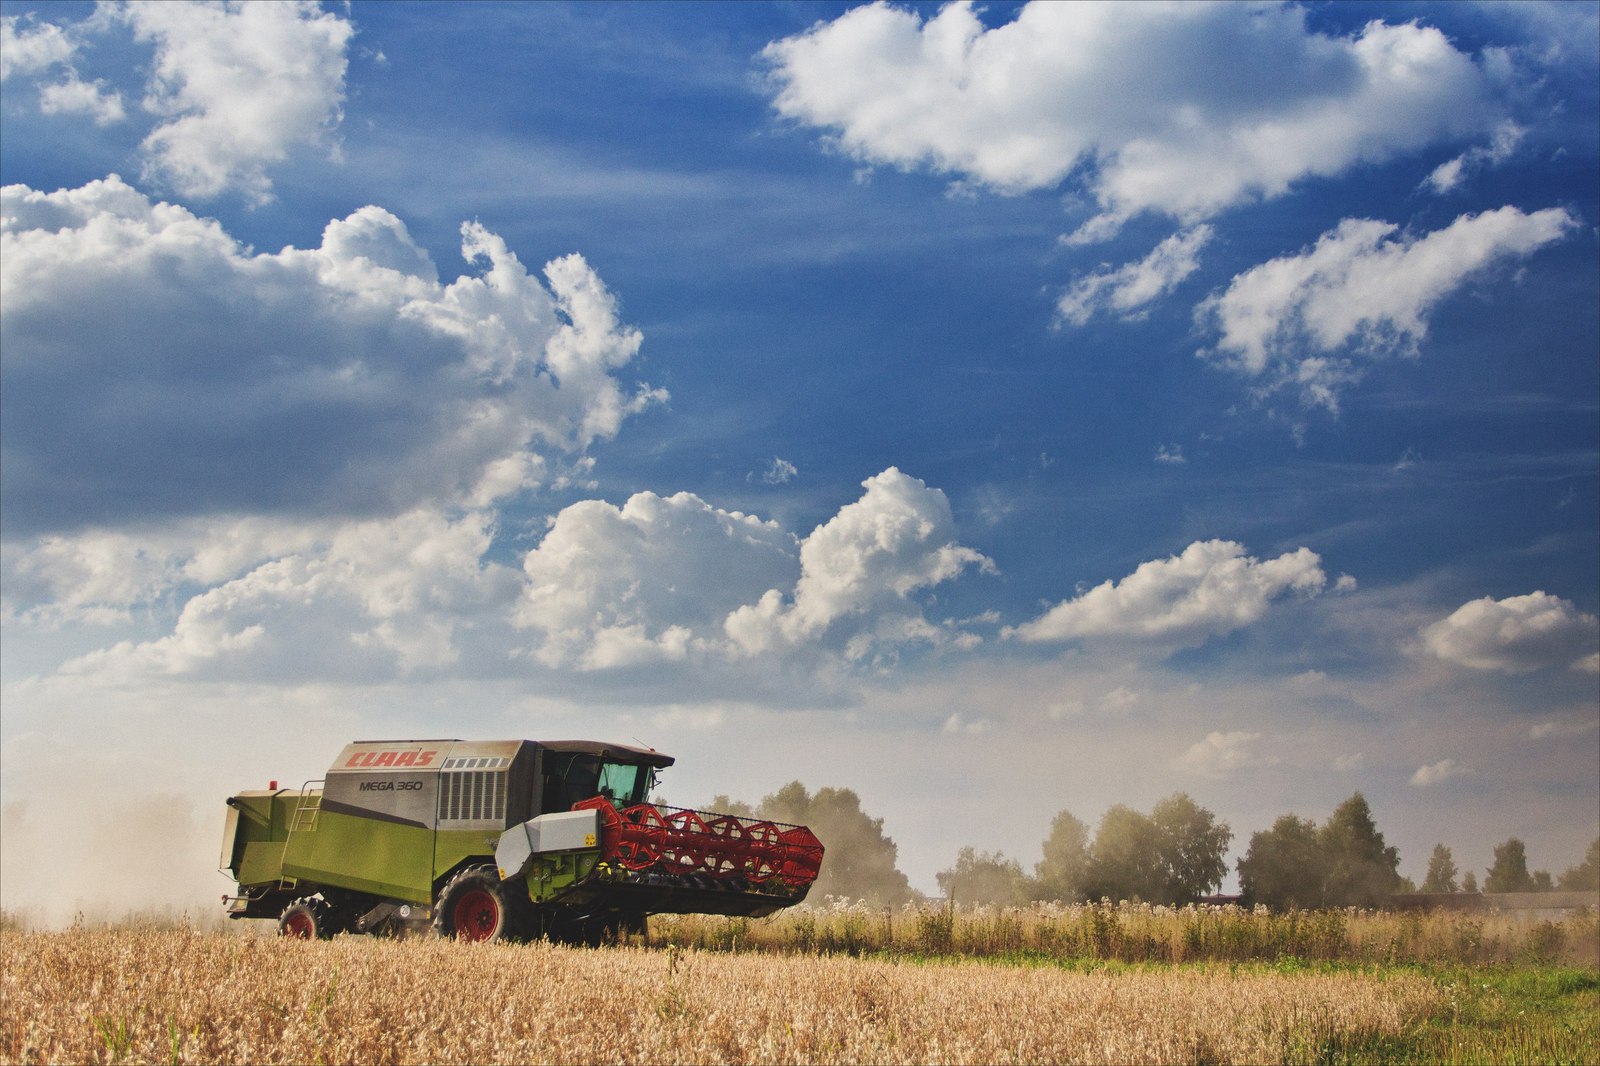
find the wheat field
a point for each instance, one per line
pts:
(1142, 933)
(179, 996)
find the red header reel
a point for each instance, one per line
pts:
(725, 847)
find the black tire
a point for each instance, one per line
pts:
(309, 918)
(476, 905)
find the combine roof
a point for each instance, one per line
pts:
(367, 756)
(617, 752)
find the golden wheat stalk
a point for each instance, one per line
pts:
(176, 996)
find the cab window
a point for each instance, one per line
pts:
(623, 785)
(572, 778)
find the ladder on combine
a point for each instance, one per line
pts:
(307, 808)
(304, 820)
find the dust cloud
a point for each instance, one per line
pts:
(152, 855)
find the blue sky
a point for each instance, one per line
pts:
(993, 410)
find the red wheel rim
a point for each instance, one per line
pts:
(299, 924)
(477, 915)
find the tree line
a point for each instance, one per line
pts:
(1174, 854)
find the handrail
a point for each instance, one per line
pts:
(307, 807)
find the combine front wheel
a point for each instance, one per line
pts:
(308, 918)
(477, 905)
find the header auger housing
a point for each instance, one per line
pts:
(486, 840)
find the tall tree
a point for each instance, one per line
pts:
(1586, 875)
(1284, 867)
(1441, 871)
(726, 805)
(1361, 870)
(984, 877)
(1125, 858)
(858, 861)
(1175, 854)
(1469, 882)
(1060, 874)
(1510, 870)
(1193, 847)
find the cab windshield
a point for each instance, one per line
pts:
(573, 778)
(624, 785)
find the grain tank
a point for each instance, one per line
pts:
(504, 839)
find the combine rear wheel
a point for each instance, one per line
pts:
(477, 905)
(308, 918)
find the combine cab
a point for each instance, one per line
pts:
(494, 840)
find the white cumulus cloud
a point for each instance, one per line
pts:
(1308, 321)
(1437, 773)
(1182, 109)
(156, 369)
(1560, 730)
(865, 564)
(657, 580)
(957, 726)
(234, 87)
(1515, 635)
(1222, 755)
(1118, 701)
(1449, 175)
(74, 96)
(1211, 589)
(32, 49)
(1127, 289)
(779, 472)
(648, 581)
(237, 86)
(365, 600)
(94, 577)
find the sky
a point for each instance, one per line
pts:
(992, 409)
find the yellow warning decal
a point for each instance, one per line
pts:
(588, 840)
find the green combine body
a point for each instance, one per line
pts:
(499, 839)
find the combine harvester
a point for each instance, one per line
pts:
(499, 840)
